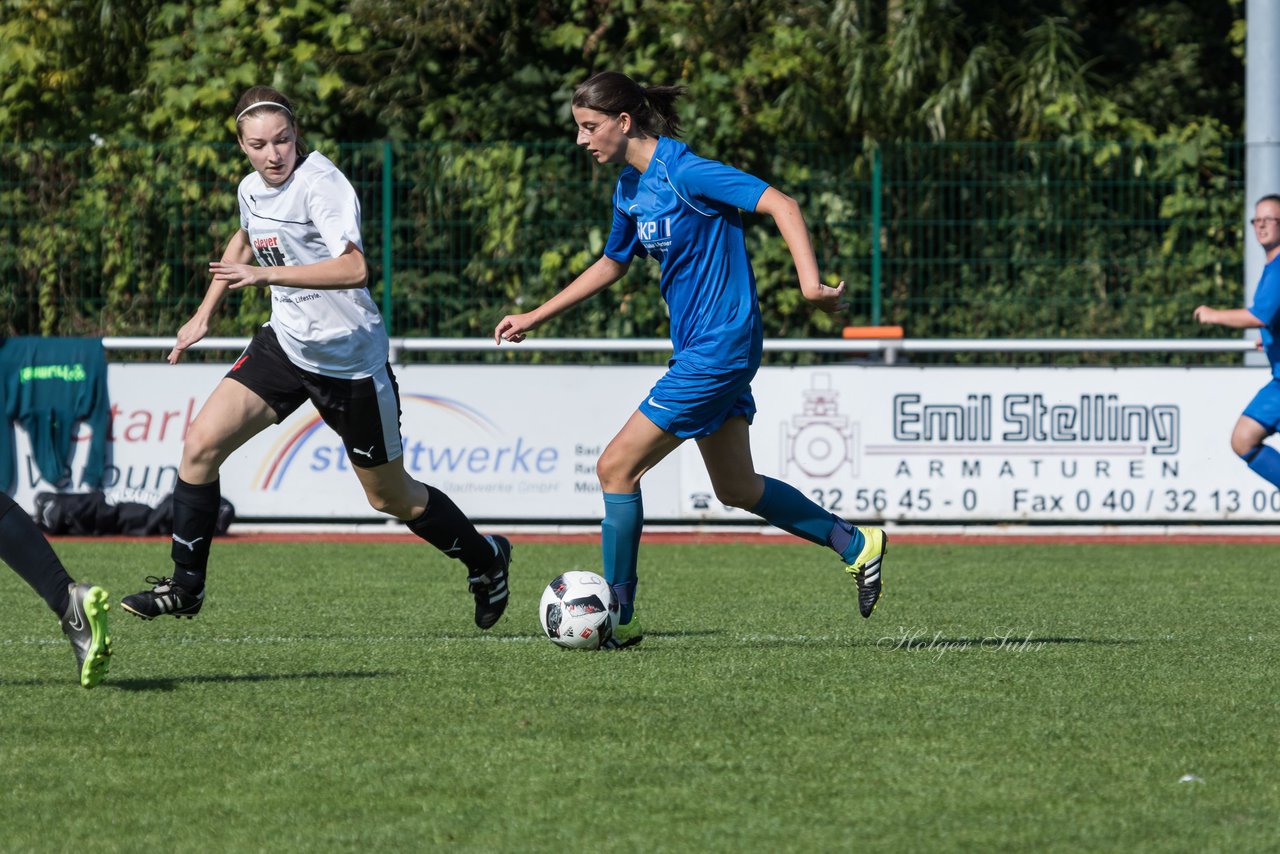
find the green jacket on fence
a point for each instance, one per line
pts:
(48, 385)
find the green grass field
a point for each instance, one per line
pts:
(338, 698)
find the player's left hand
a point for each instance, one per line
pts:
(239, 275)
(830, 300)
(512, 328)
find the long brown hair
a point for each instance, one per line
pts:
(653, 108)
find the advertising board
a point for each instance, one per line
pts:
(902, 443)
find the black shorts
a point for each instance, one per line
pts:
(365, 413)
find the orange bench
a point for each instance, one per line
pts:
(869, 333)
(864, 332)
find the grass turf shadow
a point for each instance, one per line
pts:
(174, 682)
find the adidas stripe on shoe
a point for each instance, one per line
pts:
(866, 569)
(165, 597)
(490, 590)
(625, 635)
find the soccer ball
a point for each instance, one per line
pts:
(578, 610)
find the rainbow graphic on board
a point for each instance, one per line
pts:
(275, 464)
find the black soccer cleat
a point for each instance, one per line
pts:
(165, 597)
(85, 625)
(866, 568)
(624, 635)
(490, 589)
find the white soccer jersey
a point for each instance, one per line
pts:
(312, 217)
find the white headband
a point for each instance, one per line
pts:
(257, 104)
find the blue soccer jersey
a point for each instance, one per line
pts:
(1266, 307)
(683, 211)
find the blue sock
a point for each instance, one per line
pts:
(1265, 461)
(786, 507)
(620, 543)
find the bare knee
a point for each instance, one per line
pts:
(743, 493)
(616, 474)
(202, 454)
(391, 503)
(1242, 447)
(396, 507)
(389, 490)
(1248, 436)
(734, 498)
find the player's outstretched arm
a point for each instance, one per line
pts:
(1233, 318)
(790, 221)
(593, 280)
(237, 251)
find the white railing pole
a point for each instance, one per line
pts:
(891, 347)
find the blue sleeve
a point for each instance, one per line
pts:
(1266, 297)
(717, 183)
(624, 241)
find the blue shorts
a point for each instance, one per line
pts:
(691, 401)
(1265, 406)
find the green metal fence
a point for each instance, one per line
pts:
(948, 240)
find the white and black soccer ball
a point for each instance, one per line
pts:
(578, 610)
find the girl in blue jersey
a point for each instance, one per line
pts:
(1261, 417)
(683, 210)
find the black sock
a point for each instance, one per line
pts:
(24, 548)
(195, 516)
(444, 526)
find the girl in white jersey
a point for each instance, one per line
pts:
(683, 210)
(299, 236)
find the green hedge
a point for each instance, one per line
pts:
(974, 240)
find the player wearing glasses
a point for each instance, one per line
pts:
(1261, 417)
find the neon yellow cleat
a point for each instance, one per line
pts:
(866, 567)
(625, 635)
(85, 625)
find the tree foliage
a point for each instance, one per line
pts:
(119, 179)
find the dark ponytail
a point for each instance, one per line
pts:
(653, 108)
